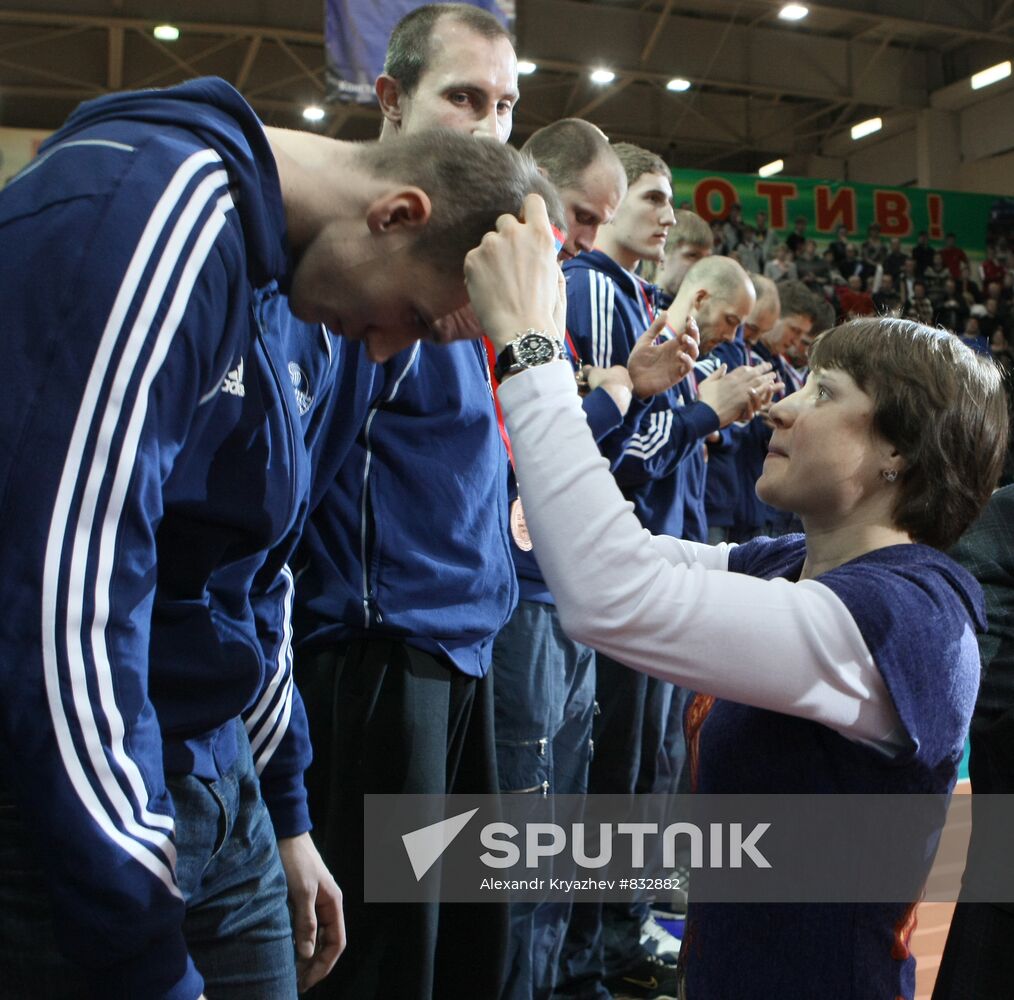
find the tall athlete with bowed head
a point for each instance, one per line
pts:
(153, 479)
(886, 454)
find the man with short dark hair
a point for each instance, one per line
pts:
(922, 252)
(689, 240)
(795, 240)
(813, 271)
(577, 158)
(886, 299)
(873, 251)
(155, 476)
(953, 256)
(919, 307)
(749, 252)
(839, 247)
(470, 70)
(894, 262)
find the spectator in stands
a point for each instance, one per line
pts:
(873, 251)
(766, 236)
(934, 277)
(922, 253)
(973, 336)
(919, 307)
(749, 252)
(953, 256)
(991, 269)
(894, 262)
(813, 271)
(991, 321)
(795, 240)
(1002, 351)
(718, 244)
(969, 289)
(909, 277)
(732, 227)
(781, 267)
(1003, 305)
(854, 300)
(854, 265)
(834, 275)
(952, 310)
(886, 299)
(839, 247)
(1007, 292)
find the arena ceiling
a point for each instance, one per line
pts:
(761, 87)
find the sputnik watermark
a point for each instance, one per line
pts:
(548, 840)
(735, 848)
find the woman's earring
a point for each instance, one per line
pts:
(890, 475)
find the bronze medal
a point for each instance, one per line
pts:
(518, 527)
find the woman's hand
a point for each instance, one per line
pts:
(513, 278)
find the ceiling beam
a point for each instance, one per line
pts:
(249, 57)
(146, 24)
(114, 61)
(719, 83)
(883, 14)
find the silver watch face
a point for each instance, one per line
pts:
(535, 349)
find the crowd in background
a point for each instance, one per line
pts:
(866, 275)
(870, 275)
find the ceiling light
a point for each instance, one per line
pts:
(313, 113)
(867, 127)
(772, 168)
(678, 84)
(602, 76)
(166, 32)
(526, 67)
(793, 12)
(992, 75)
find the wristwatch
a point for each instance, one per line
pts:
(529, 349)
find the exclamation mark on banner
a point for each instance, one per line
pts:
(935, 205)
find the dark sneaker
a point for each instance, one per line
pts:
(650, 979)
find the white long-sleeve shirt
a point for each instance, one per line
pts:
(664, 606)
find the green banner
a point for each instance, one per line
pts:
(826, 205)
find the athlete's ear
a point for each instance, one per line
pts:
(390, 96)
(402, 208)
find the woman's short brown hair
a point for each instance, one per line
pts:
(941, 405)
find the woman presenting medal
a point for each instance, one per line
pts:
(838, 660)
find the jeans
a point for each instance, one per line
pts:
(237, 922)
(544, 699)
